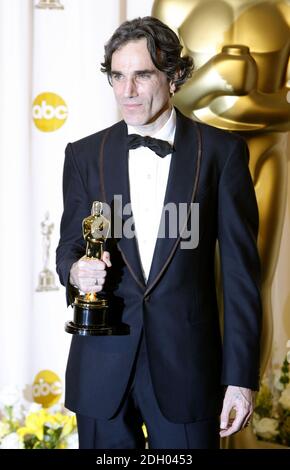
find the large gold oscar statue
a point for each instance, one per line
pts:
(241, 81)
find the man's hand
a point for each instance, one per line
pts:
(89, 274)
(242, 401)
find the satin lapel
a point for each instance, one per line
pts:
(114, 181)
(181, 188)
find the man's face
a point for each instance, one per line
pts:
(141, 90)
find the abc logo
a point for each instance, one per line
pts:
(49, 112)
(46, 388)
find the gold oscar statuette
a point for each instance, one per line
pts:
(92, 313)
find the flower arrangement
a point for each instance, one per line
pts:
(27, 425)
(271, 419)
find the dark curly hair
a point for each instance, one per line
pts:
(162, 43)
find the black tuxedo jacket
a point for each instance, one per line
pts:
(177, 307)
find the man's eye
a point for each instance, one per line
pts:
(143, 76)
(116, 76)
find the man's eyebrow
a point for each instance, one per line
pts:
(149, 71)
(136, 72)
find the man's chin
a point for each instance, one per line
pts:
(133, 117)
(133, 121)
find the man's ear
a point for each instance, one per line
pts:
(172, 88)
(172, 83)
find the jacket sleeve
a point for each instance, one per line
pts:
(238, 222)
(71, 246)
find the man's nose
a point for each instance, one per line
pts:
(130, 88)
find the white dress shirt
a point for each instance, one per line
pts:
(148, 175)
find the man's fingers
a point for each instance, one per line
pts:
(224, 431)
(92, 279)
(225, 415)
(100, 281)
(89, 274)
(106, 259)
(90, 289)
(247, 419)
(240, 400)
(234, 426)
(91, 264)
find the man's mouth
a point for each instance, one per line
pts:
(131, 105)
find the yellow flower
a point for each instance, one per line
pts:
(69, 425)
(33, 425)
(35, 422)
(40, 429)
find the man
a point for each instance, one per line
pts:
(172, 371)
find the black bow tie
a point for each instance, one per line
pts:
(160, 147)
